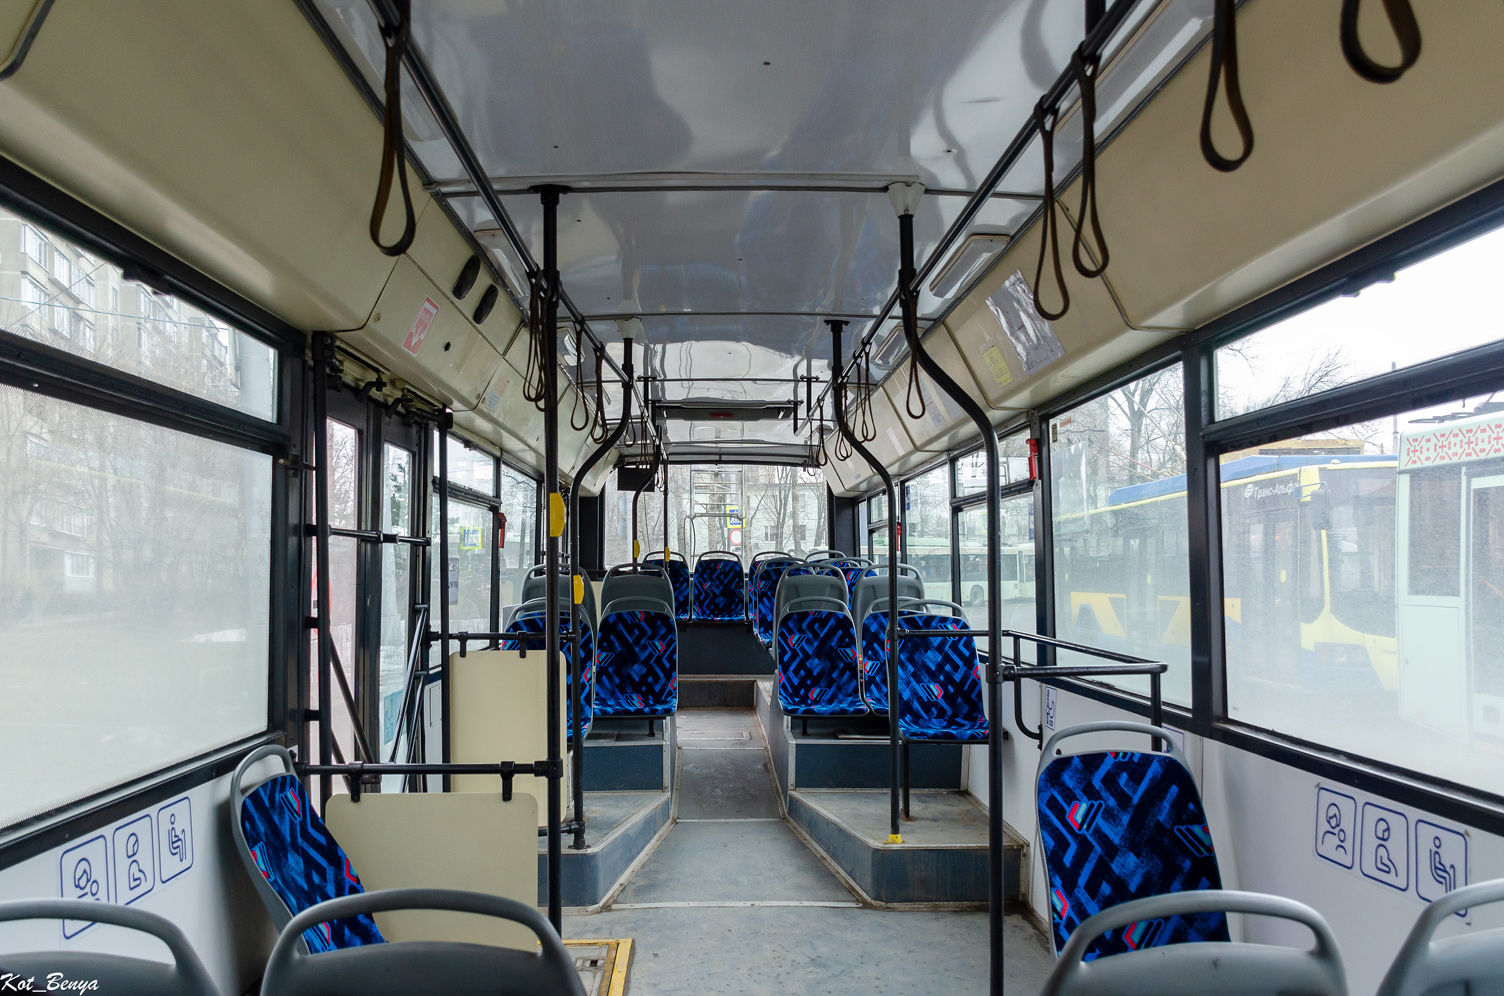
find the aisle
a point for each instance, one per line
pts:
(732, 901)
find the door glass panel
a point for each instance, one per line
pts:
(344, 491)
(1017, 547)
(469, 587)
(926, 518)
(396, 560)
(519, 503)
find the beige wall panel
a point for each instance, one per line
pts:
(1092, 333)
(470, 841)
(1337, 161)
(223, 132)
(441, 252)
(450, 362)
(500, 714)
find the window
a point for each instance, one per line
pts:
(926, 523)
(78, 565)
(471, 468)
(1364, 584)
(163, 352)
(745, 509)
(469, 574)
(1122, 578)
(877, 508)
(971, 470)
(141, 646)
(33, 302)
(1016, 594)
(33, 245)
(1350, 338)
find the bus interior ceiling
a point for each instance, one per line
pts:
(777, 497)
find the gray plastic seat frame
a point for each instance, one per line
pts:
(653, 585)
(406, 967)
(1049, 753)
(825, 582)
(280, 914)
(639, 603)
(533, 588)
(1454, 965)
(869, 588)
(1199, 968)
(121, 974)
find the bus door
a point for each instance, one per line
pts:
(1429, 514)
(1485, 605)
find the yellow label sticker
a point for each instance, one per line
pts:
(999, 366)
(556, 514)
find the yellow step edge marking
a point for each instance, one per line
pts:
(618, 984)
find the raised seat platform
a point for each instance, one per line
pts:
(618, 827)
(621, 756)
(943, 857)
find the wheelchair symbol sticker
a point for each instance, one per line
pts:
(1336, 827)
(174, 839)
(1049, 708)
(1386, 846)
(84, 873)
(1440, 861)
(135, 868)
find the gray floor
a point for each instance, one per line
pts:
(940, 818)
(732, 901)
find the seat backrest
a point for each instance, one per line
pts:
(185, 976)
(815, 646)
(292, 858)
(764, 589)
(1472, 964)
(1119, 825)
(875, 586)
(720, 587)
(534, 584)
(637, 673)
(815, 555)
(529, 619)
(1197, 969)
(640, 585)
(677, 572)
(422, 966)
(940, 686)
(805, 581)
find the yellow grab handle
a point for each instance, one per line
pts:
(556, 514)
(636, 549)
(579, 589)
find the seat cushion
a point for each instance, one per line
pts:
(1119, 825)
(637, 667)
(295, 852)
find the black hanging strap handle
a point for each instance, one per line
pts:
(393, 149)
(1225, 71)
(1045, 121)
(1086, 80)
(1406, 32)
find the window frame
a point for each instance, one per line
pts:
(1475, 371)
(44, 370)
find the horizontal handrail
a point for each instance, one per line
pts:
(1125, 664)
(356, 773)
(376, 536)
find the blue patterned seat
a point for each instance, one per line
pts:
(296, 856)
(875, 661)
(940, 691)
(720, 589)
(1123, 825)
(817, 666)
(637, 663)
(677, 572)
(532, 622)
(852, 570)
(765, 577)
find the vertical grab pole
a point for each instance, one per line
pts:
(549, 194)
(905, 198)
(323, 356)
(446, 422)
(839, 387)
(578, 761)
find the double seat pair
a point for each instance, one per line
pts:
(823, 671)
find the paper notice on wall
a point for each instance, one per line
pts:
(1032, 337)
(427, 312)
(495, 392)
(939, 409)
